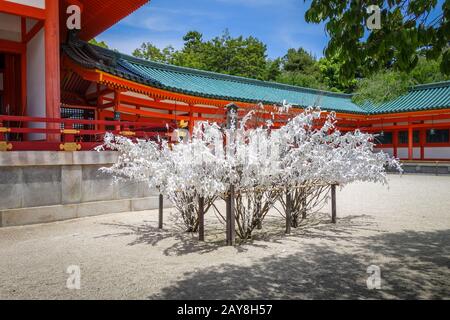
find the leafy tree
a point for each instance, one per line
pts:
(236, 56)
(239, 56)
(302, 80)
(300, 68)
(387, 85)
(299, 61)
(273, 69)
(329, 72)
(382, 86)
(148, 51)
(193, 53)
(405, 29)
(99, 44)
(428, 71)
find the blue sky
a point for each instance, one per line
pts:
(278, 23)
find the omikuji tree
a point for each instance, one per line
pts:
(302, 158)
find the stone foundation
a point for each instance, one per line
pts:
(38, 187)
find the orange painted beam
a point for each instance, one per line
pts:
(438, 115)
(405, 127)
(22, 10)
(156, 115)
(169, 106)
(12, 47)
(391, 116)
(30, 35)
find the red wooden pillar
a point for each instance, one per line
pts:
(395, 143)
(191, 121)
(52, 66)
(423, 138)
(116, 108)
(410, 143)
(23, 69)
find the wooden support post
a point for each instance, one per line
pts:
(395, 143)
(116, 109)
(288, 212)
(201, 219)
(304, 204)
(423, 141)
(161, 212)
(230, 216)
(259, 226)
(333, 204)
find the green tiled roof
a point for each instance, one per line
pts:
(421, 97)
(238, 89)
(203, 83)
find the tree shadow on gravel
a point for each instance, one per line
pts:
(414, 265)
(273, 232)
(319, 226)
(184, 243)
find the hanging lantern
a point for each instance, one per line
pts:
(432, 131)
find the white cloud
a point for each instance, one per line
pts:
(159, 19)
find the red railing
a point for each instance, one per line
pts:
(39, 134)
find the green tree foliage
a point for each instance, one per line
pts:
(273, 69)
(99, 44)
(150, 52)
(329, 71)
(239, 56)
(381, 87)
(300, 68)
(387, 85)
(428, 71)
(299, 61)
(405, 30)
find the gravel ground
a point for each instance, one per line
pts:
(404, 230)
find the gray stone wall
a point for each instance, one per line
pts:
(47, 186)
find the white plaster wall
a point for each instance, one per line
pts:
(389, 151)
(437, 153)
(430, 153)
(137, 95)
(36, 81)
(10, 27)
(32, 3)
(403, 153)
(436, 121)
(381, 125)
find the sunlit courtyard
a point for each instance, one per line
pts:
(403, 230)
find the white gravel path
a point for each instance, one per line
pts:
(405, 230)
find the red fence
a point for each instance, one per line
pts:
(34, 134)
